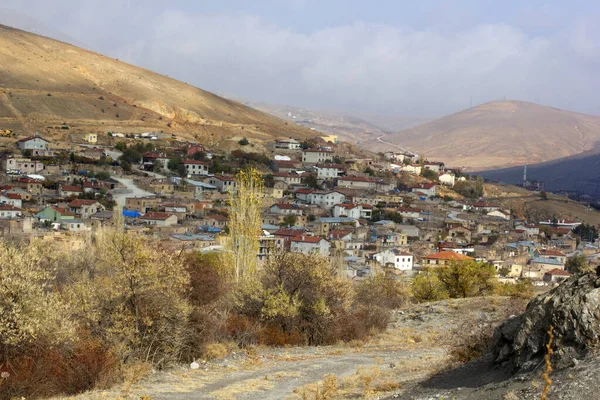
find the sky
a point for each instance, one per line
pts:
(389, 57)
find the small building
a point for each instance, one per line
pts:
(317, 155)
(556, 275)
(286, 209)
(330, 171)
(435, 166)
(85, 208)
(9, 212)
(444, 258)
(288, 144)
(356, 211)
(142, 204)
(73, 225)
(91, 137)
(310, 245)
(216, 221)
(33, 142)
(162, 187)
(12, 199)
(394, 258)
(223, 183)
(33, 186)
(447, 179)
(65, 191)
(429, 189)
(195, 167)
(22, 165)
(357, 182)
(55, 214)
(289, 178)
(159, 218)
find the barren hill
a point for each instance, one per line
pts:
(502, 134)
(45, 83)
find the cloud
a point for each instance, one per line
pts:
(362, 66)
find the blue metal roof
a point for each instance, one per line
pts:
(542, 260)
(334, 220)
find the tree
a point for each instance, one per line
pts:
(243, 142)
(245, 219)
(134, 296)
(126, 166)
(121, 146)
(586, 232)
(467, 278)
(310, 180)
(428, 174)
(543, 195)
(578, 264)
(289, 220)
(308, 143)
(427, 287)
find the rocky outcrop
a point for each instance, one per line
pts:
(572, 308)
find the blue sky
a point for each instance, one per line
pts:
(406, 58)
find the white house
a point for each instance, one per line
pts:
(85, 208)
(310, 245)
(347, 210)
(447, 179)
(316, 156)
(222, 182)
(288, 178)
(195, 167)
(11, 199)
(500, 214)
(427, 188)
(395, 258)
(412, 169)
(73, 225)
(409, 213)
(357, 182)
(9, 212)
(326, 199)
(286, 209)
(288, 144)
(435, 166)
(33, 142)
(24, 165)
(330, 171)
(159, 218)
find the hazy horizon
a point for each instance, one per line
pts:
(385, 57)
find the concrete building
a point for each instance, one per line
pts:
(33, 142)
(316, 156)
(310, 245)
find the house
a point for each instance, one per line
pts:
(216, 220)
(11, 199)
(154, 159)
(447, 179)
(42, 153)
(9, 212)
(310, 245)
(500, 214)
(412, 169)
(91, 137)
(195, 167)
(175, 208)
(435, 166)
(289, 178)
(286, 209)
(223, 183)
(356, 211)
(556, 275)
(410, 231)
(357, 182)
(85, 208)
(316, 156)
(141, 204)
(550, 254)
(192, 149)
(22, 165)
(344, 235)
(162, 187)
(330, 171)
(325, 199)
(287, 234)
(288, 144)
(65, 191)
(390, 239)
(324, 225)
(485, 206)
(409, 213)
(95, 186)
(285, 166)
(55, 214)
(459, 235)
(33, 186)
(268, 246)
(427, 188)
(444, 258)
(159, 218)
(73, 225)
(528, 230)
(33, 142)
(394, 258)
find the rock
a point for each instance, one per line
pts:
(572, 308)
(194, 365)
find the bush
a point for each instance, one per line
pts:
(467, 279)
(427, 287)
(244, 142)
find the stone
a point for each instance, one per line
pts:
(572, 308)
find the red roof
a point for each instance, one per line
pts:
(348, 206)
(558, 271)
(71, 188)
(156, 215)
(33, 137)
(448, 255)
(337, 234)
(196, 162)
(316, 150)
(304, 191)
(28, 180)
(81, 202)
(14, 196)
(547, 252)
(217, 217)
(8, 207)
(307, 239)
(423, 186)
(288, 232)
(285, 206)
(62, 211)
(286, 175)
(357, 179)
(337, 166)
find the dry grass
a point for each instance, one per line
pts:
(133, 373)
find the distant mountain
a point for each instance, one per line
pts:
(502, 134)
(580, 172)
(45, 83)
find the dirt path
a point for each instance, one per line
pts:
(130, 190)
(414, 347)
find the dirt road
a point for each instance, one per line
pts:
(130, 190)
(414, 347)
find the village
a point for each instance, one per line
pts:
(395, 212)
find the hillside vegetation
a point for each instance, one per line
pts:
(45, 83)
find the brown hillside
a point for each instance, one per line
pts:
(44, 83)
(502, 134)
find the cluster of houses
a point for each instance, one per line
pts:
(314, 202)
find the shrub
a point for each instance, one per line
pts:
(467, 279)
(244, 142)
(428, 287)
